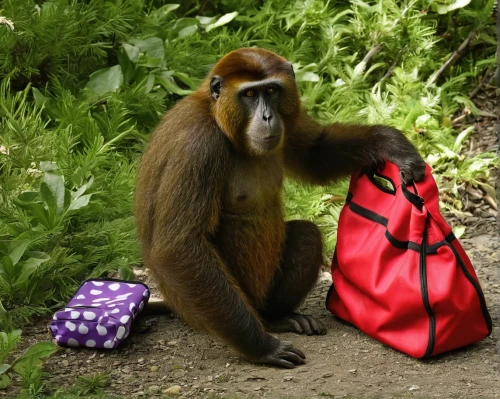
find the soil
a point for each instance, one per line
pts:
(345, 363)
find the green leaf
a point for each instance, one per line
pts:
(205, 20)
(165, 79)
(4, 367)
(4, 381)
(225, 19)
(55, 182)
(187, 80)
(40, 350)
(446, 8)
(40, 99)
(132, 52)
(29, 196)
(48, 197)
(304, 76)
(8, 267)
(29, 266)
(105, 80)
(459, 231)
(126, 273)
(150, 82)
(80, 202)
(17, 249)
(167, 8)
(34, 354)
(188, 31)
(40, 213)
(2, 309)
(68, 197)
(152, 46)
(462, 136)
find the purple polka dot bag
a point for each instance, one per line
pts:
(100, 314)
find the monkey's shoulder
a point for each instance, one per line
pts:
(187, 136)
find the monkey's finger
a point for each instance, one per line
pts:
(297, 326)
(317, 326)
(304, 323)
(289, 348)
(281, 362)
(293, 357)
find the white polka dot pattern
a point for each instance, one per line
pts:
(100, 314)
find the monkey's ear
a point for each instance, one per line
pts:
(215, 85)
(291, 67)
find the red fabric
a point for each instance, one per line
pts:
(378, 269)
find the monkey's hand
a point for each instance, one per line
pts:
(395, 147)
(280, 353)
(297, 323)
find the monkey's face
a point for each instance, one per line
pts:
(260, 103)
(254, 99)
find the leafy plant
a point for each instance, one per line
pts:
(84, 83)
(91, 385)
(27, 366)
(53, 203)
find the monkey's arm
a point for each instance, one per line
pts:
(180, 252)
(322, 153)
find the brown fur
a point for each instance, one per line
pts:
(209, 211)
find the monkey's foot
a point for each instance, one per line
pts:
(297, 323)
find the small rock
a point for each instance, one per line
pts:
(173, 390)
(287, 378)
(327, 375)
(210, 378)
(413, 388)
(141, 360)
(154, 368)
(172, 343)
(65, 363)
(257, 388)
(353, 371)
(153, 388)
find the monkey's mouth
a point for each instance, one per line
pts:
(268, 138)
(267, 143)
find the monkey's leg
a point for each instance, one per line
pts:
(301, 260)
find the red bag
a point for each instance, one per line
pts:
(399, 274)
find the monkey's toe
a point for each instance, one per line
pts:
(297, 323)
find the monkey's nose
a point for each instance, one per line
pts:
(267, 118)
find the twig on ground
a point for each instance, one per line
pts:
(487, 77)
(374, 50)
(454, 57)
(388, 74)
(369, 56)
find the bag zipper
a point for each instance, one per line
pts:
(425, 294)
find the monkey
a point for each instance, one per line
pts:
(209, 206)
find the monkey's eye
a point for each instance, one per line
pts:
(271, 90)
(250, 93)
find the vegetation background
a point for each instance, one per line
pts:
(83, 83)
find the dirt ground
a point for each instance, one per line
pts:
(345, 363)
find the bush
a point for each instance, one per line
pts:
(83, 83)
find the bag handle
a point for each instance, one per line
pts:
(424, 191)
(418, 193)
